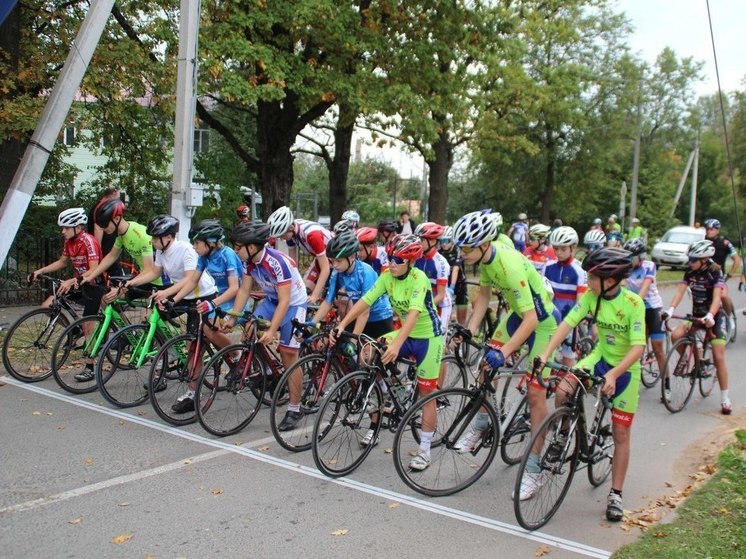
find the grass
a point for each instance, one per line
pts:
(712, 521)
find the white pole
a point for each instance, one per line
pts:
(693, 200)
(682, 182)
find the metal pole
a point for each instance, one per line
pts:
(35, 158)
(693, 199)
(682, 182)
(636, 161)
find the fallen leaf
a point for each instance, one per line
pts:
(659, 534)
(23, 399)
(49, 413)
(88, 460)
(263, 448)
(75, 521)
(36, 413)
(60, 427)
(216, 491)
(121, 422)
(142, 413)
(341, 532)
(122, 538)
(541, 551)
(125, 504)
(663, 444)
(413, 453)
(724, 510)
(394, 505)
(187, 461)
(387, 450)
(238, 443)
(669, 484)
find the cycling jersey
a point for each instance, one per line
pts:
(356, 282)
(137, 243)
(81, 251)
(377, 260)
(275, 269)
(438, 271)
(540, 258)
(222, 264)
(520, 232)
(412, 293)
(646, 270)
(723, 249)
(504, 239)
(310, 236)
(569, 282)
(702, 283)
(179, 259)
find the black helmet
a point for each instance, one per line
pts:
(208, 230)
(255, 233)
(609, 262)
(636, 246)
(162, 225)
(343, 245)
(342, 226)
(107, 210)
(387, 225)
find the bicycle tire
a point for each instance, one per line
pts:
(27, 347)
(319, 376)
(650, 372)
(514, 440)
(338, 429)
(680, 366)
(454, 373)
(450, 471)
(707, 373)
(68, 355)
(226, 400)
(535, 512)
(601, 449)
(120, 383)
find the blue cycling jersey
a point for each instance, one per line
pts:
(222, 264)
(356, 283)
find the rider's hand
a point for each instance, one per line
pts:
(32, 276)
(461, 335)
(667, 314)
(609, 387)
(110, 296)
(66, 286)
(709, 320)
(495, 358)
(228, 324)
(267, 337)
(204, 307)
(335, 334)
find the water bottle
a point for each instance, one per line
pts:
(401, 392)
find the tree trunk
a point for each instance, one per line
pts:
(11, 150)
(438, 170)
(549, 178)
(339, 166)
(275, 137)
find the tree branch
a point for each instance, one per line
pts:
(252, 163)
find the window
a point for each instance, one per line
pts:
(201, 138)
(69, 136)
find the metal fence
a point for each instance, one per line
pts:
(27, 253)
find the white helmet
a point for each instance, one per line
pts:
(522, 216)
(475, 228)
(352, 216)
(72, 217)
(594, 237)
(538, 232)
(563, 237)
(498, 217)
(702, 249)
(447, 235)
(280, 221)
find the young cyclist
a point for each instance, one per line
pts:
(351, 217)
(614, 239)
(594, 239)
(370, 253)
(278, 276)
(568, 281)
(539, 252)
(312, 238)
(704, 278)
(724, 249)
(421, 334)
(642, 281)
(532, 318)
(243, 213)
(457, 287)
(436, 268)
(501, 237)
(518, 232)
(84, 253)
(387, 229)
(620, 316)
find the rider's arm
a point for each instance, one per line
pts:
(59, 264)
(440, 294)
(324, 271)
(283, 304)
(357, 309)
(361, 321)
(323, 310)
(559, 336)
(146, 276)
(646, 283)
(678, 296)
(735, 269)
(184, 287)
(717, 300)
(230, 293)
(242, 294)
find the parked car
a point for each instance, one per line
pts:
(672, 248)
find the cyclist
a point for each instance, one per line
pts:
(244, 214)
(457, 287)
(612, 225)
(278, 277)
(593, 239)
(704, 278)
(614, 239)
(596, 225)
(568, 281)
(312, 238)
(435, 267)
(518, 231)
(369, 252)
(724, 249)
(106, 241)
(619, 315)
(531, 318)
(387, 229)
(539, 252)
(501, 237)
(642, 281)
(421, 333)
(351, 217)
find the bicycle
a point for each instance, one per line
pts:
(566, 444)
(27, 345)
(650, 371)
(689, 362)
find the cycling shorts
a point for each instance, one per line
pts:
(720, 329)
(627, 394)
(654, 324)
(428, 355)
(461, 293)
(266, 309)
(89, 296)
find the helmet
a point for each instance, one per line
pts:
(107, 210)
(613, 216)
(366, 234)
(447, 235)
(342, 226)
(475, 228)
(72, 217)
(609, 262)
(387, 225)
(538, 232)
(594, 237)
(390, 244)
(714, 223)
(635, 220)
(636, 246)
(208, 230)
(597, 221)
(280, 221)
(255, 233)
(162, 225)
(563, 236)
(429, 230)
(522, 216)
(498, 218)
(352, 216)
(242, 211)
(702, 249)
(343, 245)
(407, 247)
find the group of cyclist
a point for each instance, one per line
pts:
(403, 291)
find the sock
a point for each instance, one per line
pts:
(294, 407)
(89, 366)
(426, 437)
(615, 491)
(724, 396)
(532, 464)
(481, 421)
(373, 425)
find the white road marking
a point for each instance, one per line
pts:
(463, 516)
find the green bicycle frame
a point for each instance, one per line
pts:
(143, 347)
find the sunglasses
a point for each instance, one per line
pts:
(467, 250)
(397, 260)
(693, 259)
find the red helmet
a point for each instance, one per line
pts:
(242, 211)
(429, 230)
(106, 210)
(407, 247)
(390, 244)
(366, 234)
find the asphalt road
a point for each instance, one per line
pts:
(81, 479)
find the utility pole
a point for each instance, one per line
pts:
(636, 159)
(695, 170)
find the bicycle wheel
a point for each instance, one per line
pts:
(230, 390)
(343, 421)
(171, 374)
(549, 486)
(650, 370)
(319, 375)
(453, 373)
(27, 348)
(450, 471)
(601, 447)
(121, 381)
(72, 350)
(515, 438)
(707, 372)
(680, 375)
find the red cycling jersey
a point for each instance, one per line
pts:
(82, 250)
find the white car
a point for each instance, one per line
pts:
(673, 247)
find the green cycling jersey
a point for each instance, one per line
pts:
(137, 243)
